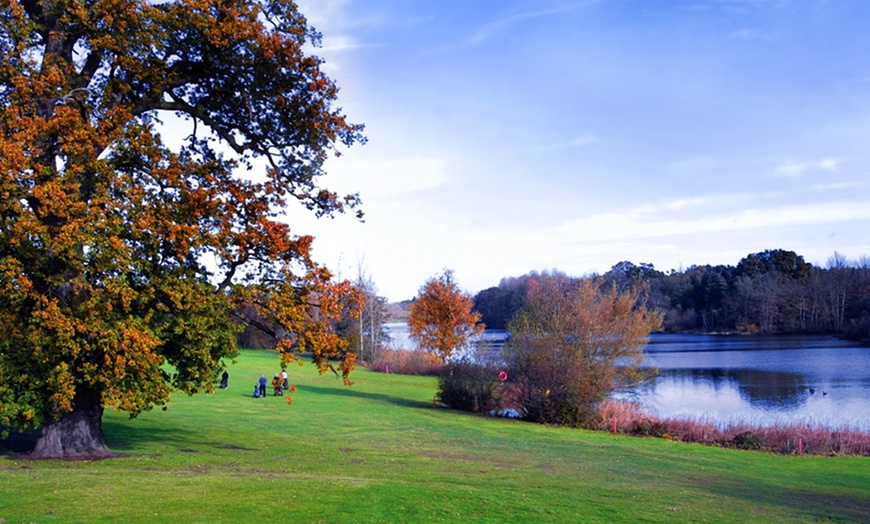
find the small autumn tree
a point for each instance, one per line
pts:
(572, 344)
(122, 259)
(440, 320)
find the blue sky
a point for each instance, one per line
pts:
(514, 135)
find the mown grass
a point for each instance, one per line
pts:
(379, 452)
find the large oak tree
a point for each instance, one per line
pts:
(123, 257)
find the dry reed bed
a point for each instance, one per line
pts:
(405, 362)
(780, 438)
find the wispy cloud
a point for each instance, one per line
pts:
(643, 223)
(579, 141)
(838, 186)
(493, 28)
(794, 168)
(339, 43)
(691, 166)
(752, 34)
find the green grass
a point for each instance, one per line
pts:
(379, 452)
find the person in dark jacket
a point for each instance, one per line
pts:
(263, 383)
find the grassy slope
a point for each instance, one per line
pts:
(378, 452)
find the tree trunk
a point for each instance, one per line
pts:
(77, 435)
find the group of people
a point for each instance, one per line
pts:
(280, 384)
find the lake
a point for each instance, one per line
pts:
(762, 380)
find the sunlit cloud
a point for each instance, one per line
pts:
(793, 168)
(396, 176)
(339, 43)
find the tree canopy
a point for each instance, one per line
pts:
(441, 319)
(122, 253)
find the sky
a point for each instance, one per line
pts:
(509, 136)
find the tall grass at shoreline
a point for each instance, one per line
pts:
(810, 438)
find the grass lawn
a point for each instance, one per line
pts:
(379, 452)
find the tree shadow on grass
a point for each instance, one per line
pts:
(18, 443)
(356, 393)
(817, 504)
(121, 436)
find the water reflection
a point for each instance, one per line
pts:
(762, 389)
(761, 380)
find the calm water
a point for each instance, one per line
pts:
(762, 380)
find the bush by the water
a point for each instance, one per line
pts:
(470, 386)
(550, 384)
(572, 343)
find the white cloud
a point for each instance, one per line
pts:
(794, 168)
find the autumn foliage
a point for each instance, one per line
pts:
(440, 320)
(123, 257)
(572, 344)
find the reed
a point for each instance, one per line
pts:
(786, 438)
(406, 362)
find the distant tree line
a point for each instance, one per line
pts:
(771, 292)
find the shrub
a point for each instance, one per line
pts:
(549, 389)
(746, 440)
(470, 386)
(573, 342)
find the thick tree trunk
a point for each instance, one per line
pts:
(77, 435)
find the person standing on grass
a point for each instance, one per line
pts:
(225, 377)
(286, 379)
(263, 383)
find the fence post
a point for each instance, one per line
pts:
(614, 425)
